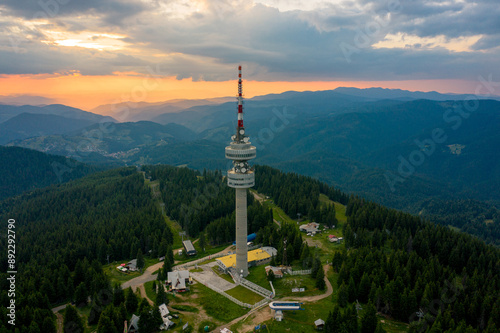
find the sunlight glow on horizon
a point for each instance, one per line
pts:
(87, 92)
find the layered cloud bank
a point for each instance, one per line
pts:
(277, 40)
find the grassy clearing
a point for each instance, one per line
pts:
(117, 276)
(340, 212)
(303, 320)
(148, 286)
(211, 326)
(392, 326)
(217, 306)
(176, 228)
(284, 286)
(243, 294)
(257, 275)
(185, 308)
(278, 213)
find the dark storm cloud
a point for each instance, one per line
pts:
(274, 44)
(114, 11)
(479, 18)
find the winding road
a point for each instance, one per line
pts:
(263, 313)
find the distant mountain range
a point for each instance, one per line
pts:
(396, 147)
(130, 111)
(10, 111)
(28, 125)
(21, 122)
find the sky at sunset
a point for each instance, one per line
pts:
(93, 52)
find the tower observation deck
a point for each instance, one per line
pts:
(240, 177)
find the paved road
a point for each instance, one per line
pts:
(59, 308)
(148, 274)
(209, 276)
(145, 277)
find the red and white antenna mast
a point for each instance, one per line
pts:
(240, 130)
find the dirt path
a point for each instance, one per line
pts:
(60, 320)
(145, 277)
(262, 314)
(199, 316)
(144, 295)
(258, 197)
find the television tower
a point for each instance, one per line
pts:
(241, 177)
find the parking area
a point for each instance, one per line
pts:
(207, 276)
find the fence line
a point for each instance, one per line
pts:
(255, 288)
(237, 301)
(302, 272)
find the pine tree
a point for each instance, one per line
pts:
(118, 295)
(81, 295)
(48, 325)
(170, 254)
(343, 295)
(161, 296)
(33, 328)
(202, 241)
(270, 276)
(364, 288)
(350, 319)
(316, 267)
(72, 322)
(140, 260)
(131, 302)
(95, 313)
(369, 320)
(320, 279)
(106, 325)
(273, 261)
(351, 290)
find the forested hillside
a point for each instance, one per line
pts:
(404, 265)
(199, 200)
(395, 261)
(64, 233)
(25, 169)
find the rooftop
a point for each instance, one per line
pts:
(254, 255)
(188, 245)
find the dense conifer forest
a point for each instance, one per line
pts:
(25, 169)
(65, 233)
(399, 265)
(404, 265)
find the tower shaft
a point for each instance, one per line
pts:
(240, 177)
(241, 232)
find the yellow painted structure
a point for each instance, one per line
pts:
(255, 257)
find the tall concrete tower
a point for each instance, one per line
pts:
(241, 177)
